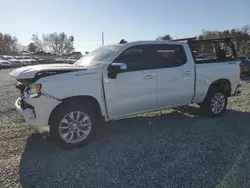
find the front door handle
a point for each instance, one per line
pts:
(149, 76)
(187, 73)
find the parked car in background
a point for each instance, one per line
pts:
(245, 65)
(244, 58)
(4, 63)
(71, 60)
(27, 60)
(26, 53)
(61, 60)
(31, 60)
(23, 61)
(40, 60)
(13, 61)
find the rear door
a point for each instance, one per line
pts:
(175, 74)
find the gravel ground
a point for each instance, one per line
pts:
(171, 148)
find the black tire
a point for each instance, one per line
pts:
(65, 109)
(206, 105)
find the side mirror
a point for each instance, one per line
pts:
(116, 68)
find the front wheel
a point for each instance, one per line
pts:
(72, 125)
(215, 102)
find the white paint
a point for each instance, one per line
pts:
(30, 71)
(131, 92)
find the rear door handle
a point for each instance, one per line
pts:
(149, 76)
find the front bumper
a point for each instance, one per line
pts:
(28, 113)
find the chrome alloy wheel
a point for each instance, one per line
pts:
(75, 127)
(218, 103)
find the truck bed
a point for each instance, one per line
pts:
(207, 73)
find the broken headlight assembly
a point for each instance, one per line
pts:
(33, 91)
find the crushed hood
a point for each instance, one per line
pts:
(31, 71)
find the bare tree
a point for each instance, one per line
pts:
(59, 43)
(2, 46)
(37, 42)
(246, 39)
(32, 47)
(8, 43)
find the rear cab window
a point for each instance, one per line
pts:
(169, 55)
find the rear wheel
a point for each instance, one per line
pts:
(73, 125)
(215, 102)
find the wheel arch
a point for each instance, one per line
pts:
(83, 99)
(223, 83)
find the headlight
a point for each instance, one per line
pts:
(33, 91)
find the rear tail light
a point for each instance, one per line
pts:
(241, 69)
(241, 65)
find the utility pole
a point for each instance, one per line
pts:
(102, 38)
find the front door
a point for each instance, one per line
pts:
(133, 91)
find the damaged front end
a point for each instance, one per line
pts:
(30, 109)
(28, 89)
(34, 104)
(27, 85)
(24, 86)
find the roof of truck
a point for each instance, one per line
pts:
(148, 42)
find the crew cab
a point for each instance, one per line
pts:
(120, 80)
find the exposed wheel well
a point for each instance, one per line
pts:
(223, 83)
(85, 100)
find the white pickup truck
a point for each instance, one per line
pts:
(117, 81)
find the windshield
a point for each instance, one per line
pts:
(98, 55)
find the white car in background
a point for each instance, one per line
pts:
(61, 60)
(26, 60)
(23, 61)
(71, 60)
(40, 60)
(13, 62)
(31, 60)
(4, 63)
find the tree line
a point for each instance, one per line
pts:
(61, 43)
(54, 43)
(8, 43)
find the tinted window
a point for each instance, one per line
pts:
(152, 56)
(168, 55)
(136, 58)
